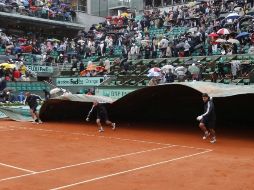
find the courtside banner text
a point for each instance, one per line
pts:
(82, 81)
(113, 93)
(40, 69)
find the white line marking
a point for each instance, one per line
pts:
(89, 162)
(6, 130)
(18, 168)
(128, 171)
(115, 138)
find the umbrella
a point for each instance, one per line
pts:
(246, 23)
(92, 68)
(233, 16)
(191, 4)
(193, 30)
(223, 31)
(237, 8)
(7, 65)
(181, 70)
(251, 13)
(242, 35)
(213, 35)
(155, 69)
(154, 74)
(233, 41)
(166, 68)
(53, 40)
(124, 14)
(221, 40)
(246, 17)
(193, 69)
(81, 41)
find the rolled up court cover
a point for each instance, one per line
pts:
(17, 113)
(164, 103)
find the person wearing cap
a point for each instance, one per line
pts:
(102, 115)
(208, 119)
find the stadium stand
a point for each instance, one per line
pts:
(214, 40)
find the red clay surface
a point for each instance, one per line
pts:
(76, 156)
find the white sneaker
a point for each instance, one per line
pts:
(213, 140)
(40, 122)
(35, 122)
(113, 126)
(206, 135)
(101, 130)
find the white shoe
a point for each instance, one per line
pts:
(40, 122)
(213, 140)
(113, 126)
(206, 135)
(101, 130)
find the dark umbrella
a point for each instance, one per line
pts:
(242, 35)
(251, 13)
(7, 57)
(246, 17)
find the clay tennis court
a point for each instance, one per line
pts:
(76, 156)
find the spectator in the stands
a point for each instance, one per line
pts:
(16, 75)
(107, 65)
(46, 94)
(74, 67)
(153, 82)
(170, 77)
(81, 67)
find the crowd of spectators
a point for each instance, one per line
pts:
(129, 37)
(54, 10)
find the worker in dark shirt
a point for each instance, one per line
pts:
(31, 100)
(46, 94)
(102, 115)
(208, 119)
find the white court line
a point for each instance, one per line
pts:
(17, 168)
(129, 171)
(3, 128)
(89, 162)
(115, 138)
(6, 130)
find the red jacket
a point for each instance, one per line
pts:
(16, 74)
